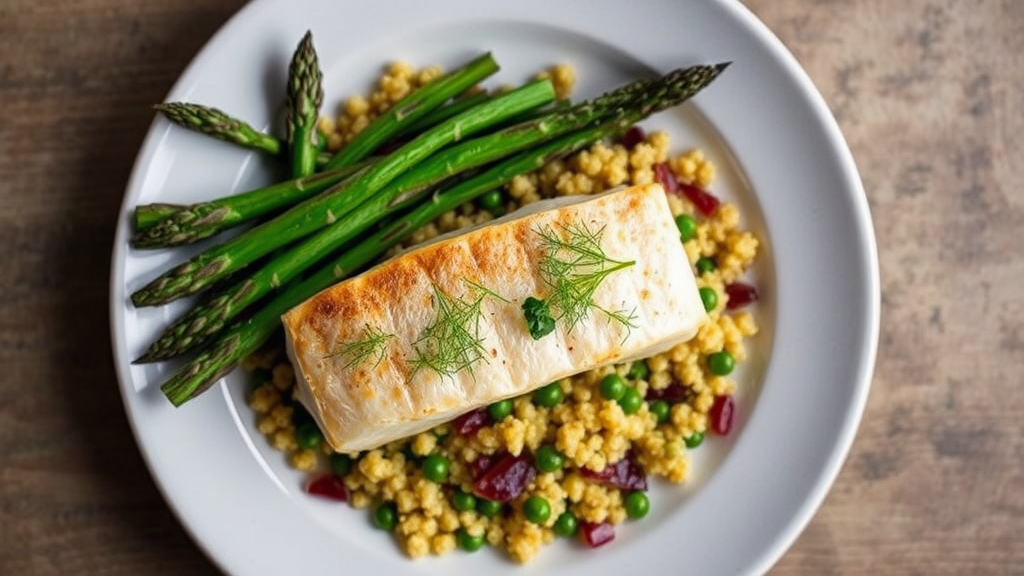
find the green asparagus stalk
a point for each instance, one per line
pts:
(181, 224)
(217, 215)
(208, 318)
(413, 107)
(302, 107)
(149, 215)
(245, 337)
(443, 113)
(186, 224)
(218, 262)
(218, 124)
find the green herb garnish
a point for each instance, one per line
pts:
(373, 342)
(538, 318)
(452, 342)
(573, 268)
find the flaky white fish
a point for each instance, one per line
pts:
(358, 347)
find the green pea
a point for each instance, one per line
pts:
(567, 525)
(536, 509)
(435, 468)
(637, 505)
(493, 202)
(385, 516)
(721, 363)
(488, 508)
(631, 401)
(709, 297)
(705, 265)
(687, 227)
(694, 440)
(308, 436)
(638, 371)
(549, 396)
(341, 464)
(660, 409)
(613, 387)
(463, 501)
(500, 409)
(467, 541)
(548, 459)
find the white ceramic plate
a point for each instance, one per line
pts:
(780, 156)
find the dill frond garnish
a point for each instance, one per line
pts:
(452, 342)
(573, 267)
(373, 342)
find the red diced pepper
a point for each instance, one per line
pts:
(506, 479)
(740, 295)
(721, 415)
(704, 201)
(633, 136)
(484, 462)
(471, 422)
(625, 474)
(597, 534)
(671, 393)
(329, 486)
(664, 175)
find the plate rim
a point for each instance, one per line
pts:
(825, 119)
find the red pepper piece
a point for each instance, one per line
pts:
(740, 295)
(721, 415)
(597, 534)
(330, 487)
(484, 462)
(705, 202)
(664, 175)
(506, 479)
(671, 393)
(633, 136)
(471, 422)
(625, 474)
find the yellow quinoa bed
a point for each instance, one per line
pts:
(589, 430)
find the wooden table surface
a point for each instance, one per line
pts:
(929, 93)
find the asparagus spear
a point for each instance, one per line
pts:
(208, 318)
(186, 224)
(213, 122)
(536, 125)
(148, 215)
(413, 107)
(302, 107)
(180, 224)
(212, 265)
(189, 224)
(443, 113)
(244, 338)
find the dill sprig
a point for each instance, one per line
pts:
(573, 267)
(373, 342)
(452, 342)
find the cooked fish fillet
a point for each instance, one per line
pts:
(364, 401)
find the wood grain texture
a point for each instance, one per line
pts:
(930, 96)
(929, 93)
